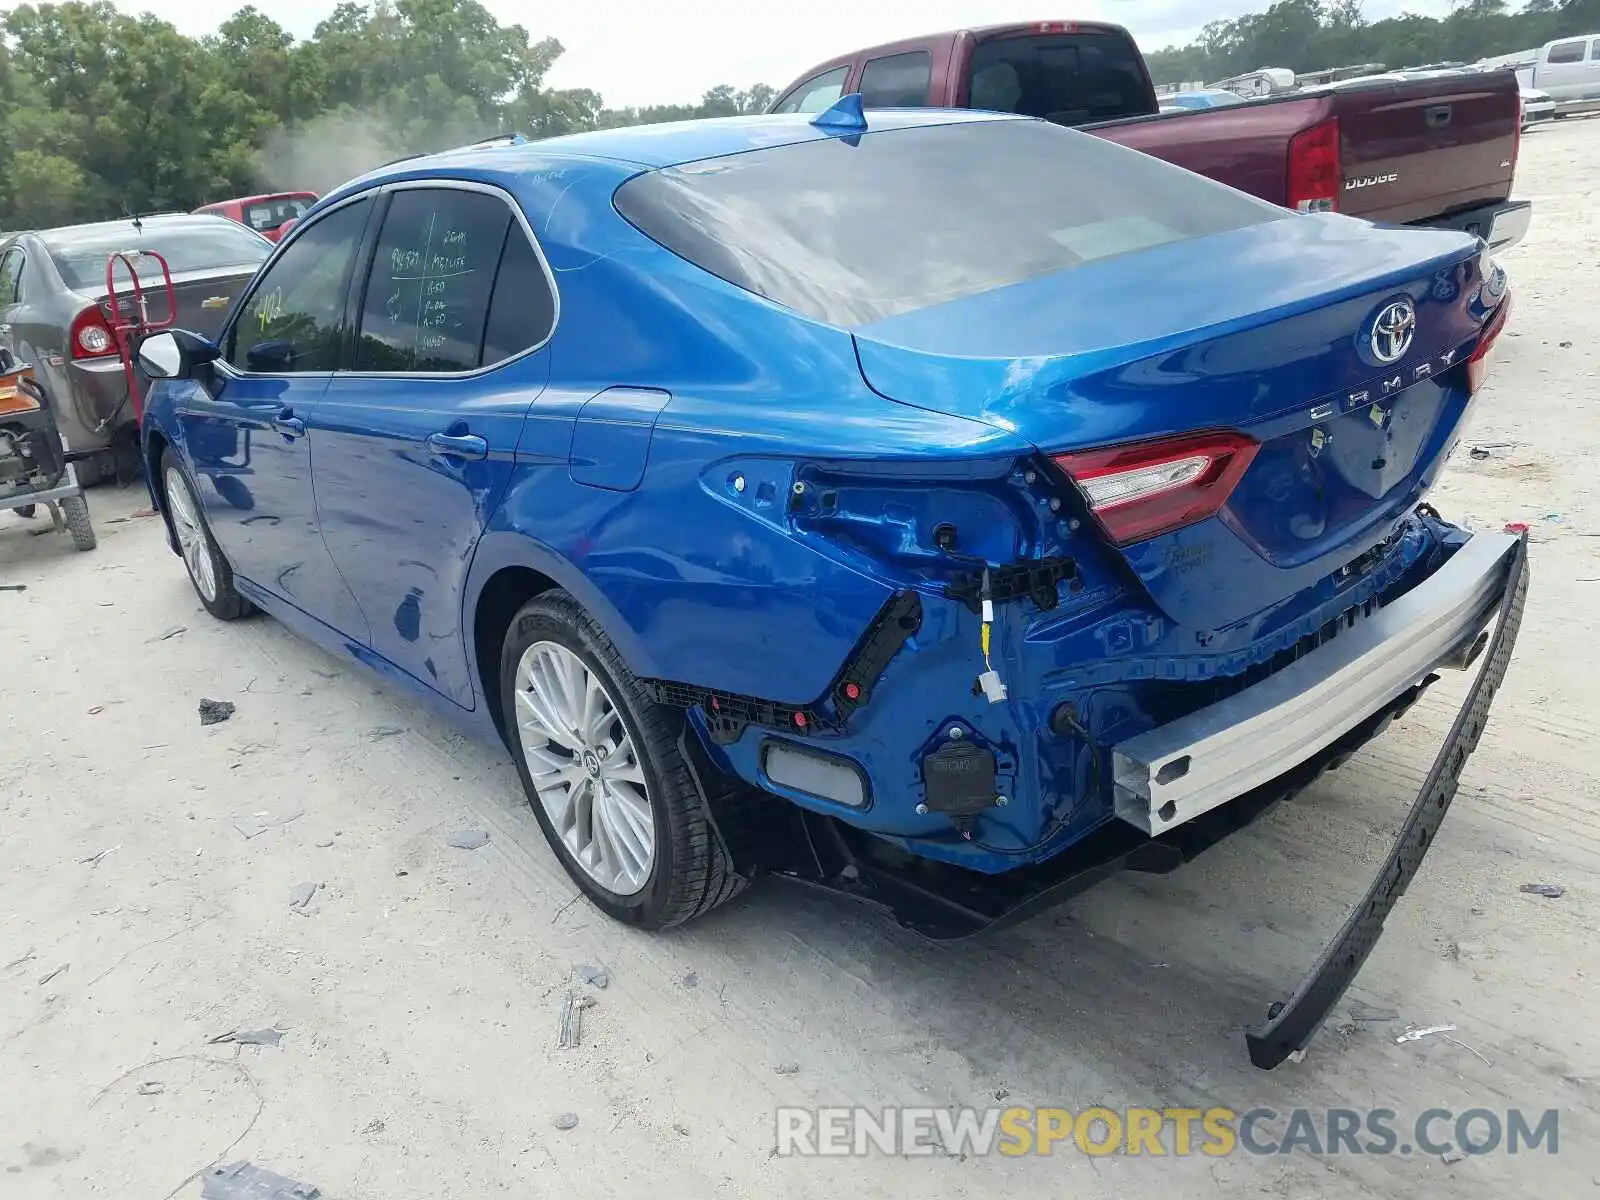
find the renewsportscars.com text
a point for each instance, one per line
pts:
(1162, 1132)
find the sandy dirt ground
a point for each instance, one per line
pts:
(419, 991)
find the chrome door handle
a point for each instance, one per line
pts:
(288, 424)
(464, 445)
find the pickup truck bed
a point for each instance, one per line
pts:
(1439, 151)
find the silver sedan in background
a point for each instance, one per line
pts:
(55, 312)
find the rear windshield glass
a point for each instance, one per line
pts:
(81, 259)
(850, 234)
(269, 214)
(1071, 79)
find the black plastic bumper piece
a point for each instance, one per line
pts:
(726, 713)
(1292, 1023)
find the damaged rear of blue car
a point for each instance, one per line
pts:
(1016, 507)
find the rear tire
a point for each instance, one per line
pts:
(76, 510)
(592, 779)
(209, 571)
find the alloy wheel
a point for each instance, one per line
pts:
(585, 768)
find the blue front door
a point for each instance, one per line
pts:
(414, 443)
(244, 428)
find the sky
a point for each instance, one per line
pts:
(636, 52)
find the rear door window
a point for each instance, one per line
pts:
(897, 81)
(850, 234)
(1594, 50)
(1068, 78)
(1567, 52)
(294, 318)
(815, 94)
(433, 271)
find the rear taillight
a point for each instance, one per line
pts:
(1141, 490)
(1479, 360)
(91, 336)
(1314, 168)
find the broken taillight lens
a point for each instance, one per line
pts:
(1478, 362)
(1137, 491)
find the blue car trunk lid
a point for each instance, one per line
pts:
(1334, 345)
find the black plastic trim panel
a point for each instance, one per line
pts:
(728, 713)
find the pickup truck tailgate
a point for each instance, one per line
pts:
(1426, 147)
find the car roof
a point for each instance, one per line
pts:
(674, 143)
(93, 231)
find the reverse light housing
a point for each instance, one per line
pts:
(91, 337)
(1315, 172)
(1148, 488)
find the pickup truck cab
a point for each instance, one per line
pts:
(1568, 69)
(1439, 151)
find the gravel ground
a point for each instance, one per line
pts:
(418, 989)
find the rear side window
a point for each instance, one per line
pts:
(427, 298)
(1594, 50)
(1567, 52)
(898, 81)
(815, 94)
(523, 309)
(1071, 79)
(903, 219)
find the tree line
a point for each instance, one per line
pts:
(1305, 35)
(104, 113)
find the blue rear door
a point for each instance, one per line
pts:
(413, 443)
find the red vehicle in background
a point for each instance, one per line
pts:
(271, 215)
(1437, 151)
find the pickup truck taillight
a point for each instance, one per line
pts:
(1314, 168)
(1140, 490)
(91, 336)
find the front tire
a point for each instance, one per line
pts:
(208, 569)
(599, 761)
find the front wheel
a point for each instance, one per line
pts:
(208, 569)
(600, 763)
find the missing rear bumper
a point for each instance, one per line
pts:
(1291, 1024)
(1175, 772)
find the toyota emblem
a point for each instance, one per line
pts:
(1392, 331)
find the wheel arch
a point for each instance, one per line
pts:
(510, 569)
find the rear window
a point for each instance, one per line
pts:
(1071, 79)
(201, 246)
(898, 81)
(901, 220)
(267, 215)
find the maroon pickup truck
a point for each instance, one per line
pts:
(1439, 151)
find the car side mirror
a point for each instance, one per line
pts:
(175, 354)
(270, 358)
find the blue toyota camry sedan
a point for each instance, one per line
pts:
(945, 508)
